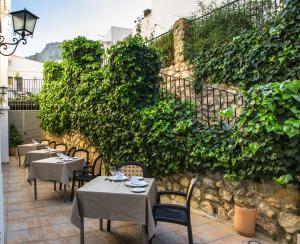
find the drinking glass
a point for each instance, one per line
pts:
(112, 170)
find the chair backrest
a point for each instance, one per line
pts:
(190, 190)
(82, 153)
(134, 169)
(44, 142)
(61, 147)
(97, 166)
(71, 151)
(52, 144)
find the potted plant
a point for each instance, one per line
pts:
(245, 220)
(15, 139)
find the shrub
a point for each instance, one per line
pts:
(15, 138)
(165, 44)
(270, 131)
(119, 110)
(262, 55)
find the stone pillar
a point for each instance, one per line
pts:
(178, 33)
(180, 68)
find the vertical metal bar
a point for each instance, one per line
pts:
(227, 103)
(195, 99)
(190, 94)
(220, 104)
(179, 83)
(201, 101)
(184, 91)
(213, 90)
(234, 100)
(175, 86)
(207, 107)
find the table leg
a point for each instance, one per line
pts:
(35, 190)
(145, 236)
(101, 224)
(19, 160)
(81, 230)
(65, 193)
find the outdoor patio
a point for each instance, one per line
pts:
(47, 220)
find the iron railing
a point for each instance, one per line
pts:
(255, 11)
(207, 101)
(21, 92)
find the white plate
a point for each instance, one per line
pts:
(138, 189)
(140, 183)
(115, 179)
(138, 177)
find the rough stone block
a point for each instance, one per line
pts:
(290, 222)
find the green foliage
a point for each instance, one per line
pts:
(57, 101)
(216, 29)
(283, 180)
(15, 138)
(260, 55)
(165, 43)
(166, 136)
(119, 110)
(270, 130)
(52, 71)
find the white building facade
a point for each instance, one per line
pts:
(115, 34)
(164, 13)
(24, 76)
(5, 31)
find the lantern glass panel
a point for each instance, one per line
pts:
(30, 23)
(18, 22)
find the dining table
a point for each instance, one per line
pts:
(57, 169)
(24, 148)
(38, 155)
(102, 198)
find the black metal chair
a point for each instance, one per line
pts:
(44, 142)
(61, 147)
(52, 144)
(175, 213)
(131, 169)
(82, 153)
(71, 151)
(90, 172)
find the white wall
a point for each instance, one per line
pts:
(164, 13)
(115, 34)
(25, 68)
(5, 23)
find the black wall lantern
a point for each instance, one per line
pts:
(23, 25)
(3, 90)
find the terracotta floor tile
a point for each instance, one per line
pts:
(47, 220)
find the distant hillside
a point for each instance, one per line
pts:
(52, 52)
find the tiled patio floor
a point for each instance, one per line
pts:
(47, 219)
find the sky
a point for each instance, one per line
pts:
(65, 19)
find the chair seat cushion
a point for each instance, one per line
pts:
(170, 214)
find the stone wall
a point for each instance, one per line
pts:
(278, 208)
(178, 79)
(73, 139)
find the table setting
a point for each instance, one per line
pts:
(24, 148)
(34, 155)
(101, 197)
(59, 169)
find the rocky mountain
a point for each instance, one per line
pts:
(52, 52)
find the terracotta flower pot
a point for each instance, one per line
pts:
(245, 220)
(12, 151)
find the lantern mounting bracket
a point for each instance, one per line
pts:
(23, 26)
(4, 46)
